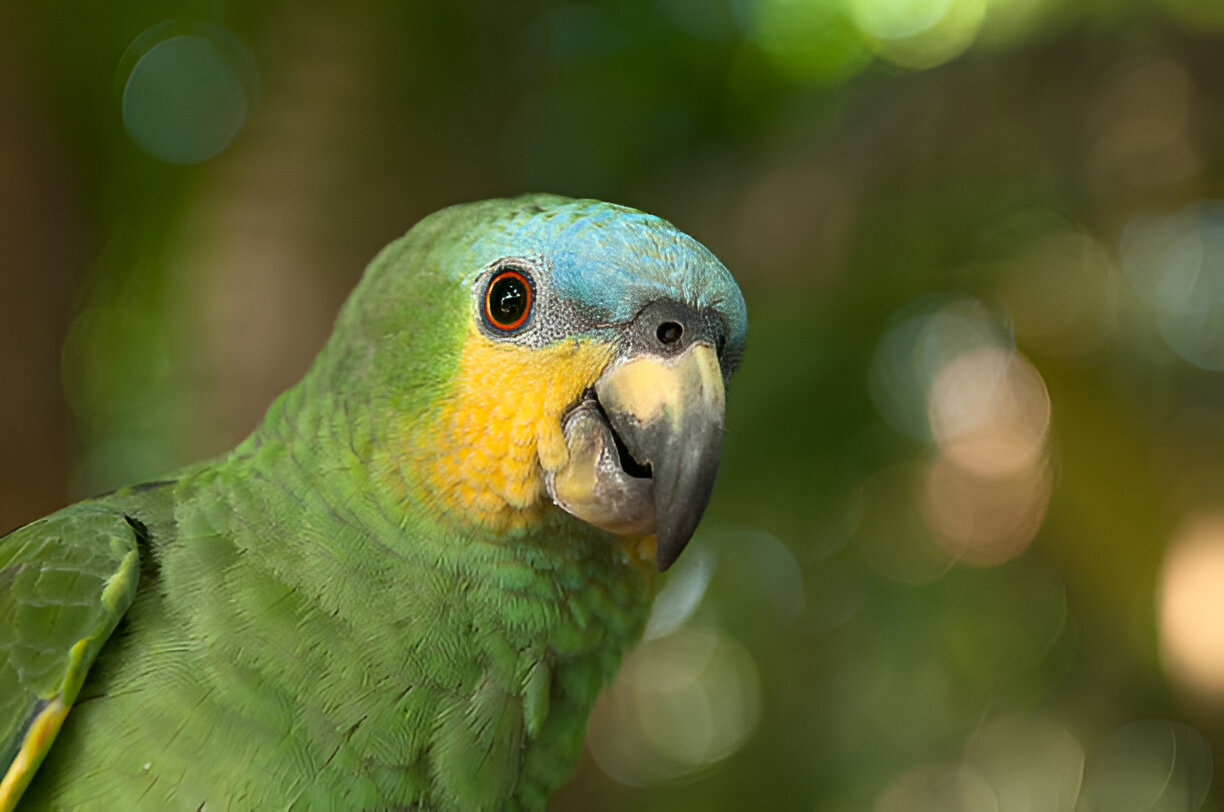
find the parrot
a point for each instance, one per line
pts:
(406, 588)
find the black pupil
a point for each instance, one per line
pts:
(507, 300)
(669, 332)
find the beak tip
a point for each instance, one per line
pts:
(669, 545)
(663, 561)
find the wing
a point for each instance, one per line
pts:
(65, 581)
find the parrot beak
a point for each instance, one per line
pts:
(644, 447)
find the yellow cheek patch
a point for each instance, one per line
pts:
(501, 429)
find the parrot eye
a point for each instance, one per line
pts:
(508, 299)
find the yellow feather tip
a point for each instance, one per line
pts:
(37, 741)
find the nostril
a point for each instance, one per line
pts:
(669, 332)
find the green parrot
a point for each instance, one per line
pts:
(407, 586)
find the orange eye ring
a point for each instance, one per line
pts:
(508, 299)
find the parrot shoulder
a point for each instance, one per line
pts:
(65, 582)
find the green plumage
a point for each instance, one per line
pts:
(312, 626)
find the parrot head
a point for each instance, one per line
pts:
(546, 353)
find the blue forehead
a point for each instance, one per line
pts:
(615, 260)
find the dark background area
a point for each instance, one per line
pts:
(967, 547)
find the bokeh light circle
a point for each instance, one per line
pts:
(1175, 263)
(682, 593)
(919, 33)
(679, 704)
(921, 339)
(1191, 607)
(1032, 764)
(1062, 293)
(188, 91)
(811, 40)
(984, 521)
(947, 371)
(938, 787)
(899, 19)
(990, 412)
(1153, 765)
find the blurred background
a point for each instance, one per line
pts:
(967, 546)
